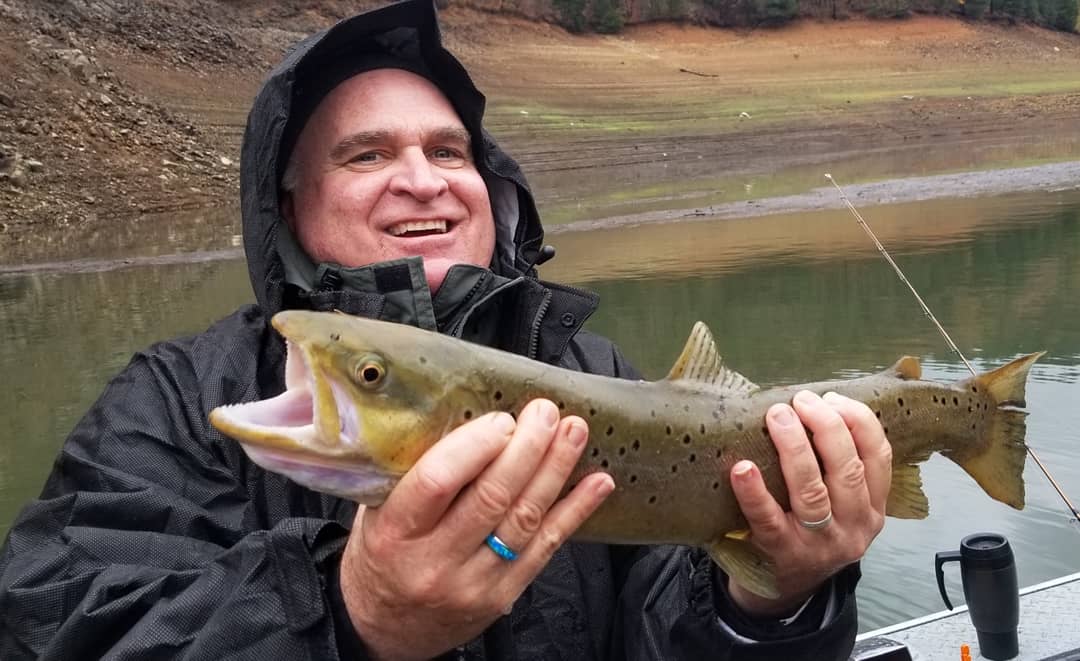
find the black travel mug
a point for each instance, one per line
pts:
(988, 573)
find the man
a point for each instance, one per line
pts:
(370, 187)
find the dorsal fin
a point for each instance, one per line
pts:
(700, 363)
(908, 368)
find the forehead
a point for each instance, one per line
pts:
(384, 99)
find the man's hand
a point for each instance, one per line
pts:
(852, 489)
(417, 576)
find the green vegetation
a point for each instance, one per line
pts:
(608, 16)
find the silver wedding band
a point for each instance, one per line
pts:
(817, 525)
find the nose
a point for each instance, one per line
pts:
(416, 176)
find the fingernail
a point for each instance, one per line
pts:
(605, 487)
(742, 469)
(577, 435)
(504, 422)
(832, 397)
(549, 415)
(782, 414)
(806, 397)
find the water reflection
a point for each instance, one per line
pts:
(789, 298)
(65, 336)
(715, 169)
(1002, 276)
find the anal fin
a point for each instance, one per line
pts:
(907, 500)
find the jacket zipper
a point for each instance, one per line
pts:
(534, 332)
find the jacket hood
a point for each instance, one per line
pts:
(405, 32)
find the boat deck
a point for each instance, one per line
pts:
(1048, 631)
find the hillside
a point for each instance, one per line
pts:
(115, 114)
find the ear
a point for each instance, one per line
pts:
(288, 210)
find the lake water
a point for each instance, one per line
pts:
(789, 298)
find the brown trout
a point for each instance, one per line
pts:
(364, 399)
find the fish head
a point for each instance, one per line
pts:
(363, 401)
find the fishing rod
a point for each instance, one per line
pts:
(930, 315)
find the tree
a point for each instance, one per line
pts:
(778, 12)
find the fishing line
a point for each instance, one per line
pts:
(930, 315)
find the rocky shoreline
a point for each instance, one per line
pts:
(121, 121)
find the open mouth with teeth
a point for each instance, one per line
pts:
(310, 433)
(418, 228)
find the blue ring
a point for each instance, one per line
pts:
(500, 548)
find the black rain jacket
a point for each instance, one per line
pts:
(155, 537)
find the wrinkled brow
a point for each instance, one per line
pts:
(449, 134)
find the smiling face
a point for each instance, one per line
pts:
(384, 170)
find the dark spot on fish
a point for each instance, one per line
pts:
(738, 425)
(604, 464)
(715, 485)
(876, 393)
(595, 452)
(686, 439)
(468, 415)
(335, 337)
(885, 429)
(668, 430)
(610, 430)
(973, 426)
(765, 431)
(974, 389)
(674, 468)
(693, 458)
(636, 446)
(719, 453)
(652, 413)
(878, 414)
(956, 401)
(935, 399)
(652, 500)
(969, 409)
(686, 407)
(909, 411)
(900, 401)
(423, 361)
(633, 478)
(702, 428)
(592, 412)
(498, 395)
(561, 405)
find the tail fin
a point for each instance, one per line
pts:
(998, 464)
(1007, 384)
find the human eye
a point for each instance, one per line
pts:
(366, 158)
(448, 156)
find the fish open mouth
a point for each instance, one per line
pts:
(314, 412)
(310, 433)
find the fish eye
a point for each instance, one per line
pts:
(370, 372)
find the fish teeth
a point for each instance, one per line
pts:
(418, 226)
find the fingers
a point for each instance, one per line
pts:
(807, 490)
(870, 443)
(485, 503)
(562, 520)
(424, 494)
(524, 517)
(767, 519)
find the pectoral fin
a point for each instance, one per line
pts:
(907, 500)
(743, 562)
